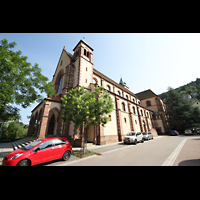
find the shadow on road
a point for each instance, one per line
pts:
(194, 162)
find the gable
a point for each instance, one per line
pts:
(63, 62)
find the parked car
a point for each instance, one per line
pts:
(188, 132)
(133, 137)
(39, 151)
(147, 135)
(174, 132)
(198, 130)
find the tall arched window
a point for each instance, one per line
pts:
(60, 85)
(123, 107)
(108, 87)
(133, 110)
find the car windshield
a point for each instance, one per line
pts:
(31, 145)
(187, 130)
(145, 133)
(130, 133)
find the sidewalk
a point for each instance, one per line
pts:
(5, 148)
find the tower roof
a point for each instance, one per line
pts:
(122, 82)
(84, 43)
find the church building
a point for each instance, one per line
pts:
(140, 112)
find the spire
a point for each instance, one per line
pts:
(121, 82)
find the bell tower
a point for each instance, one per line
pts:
(83, 61)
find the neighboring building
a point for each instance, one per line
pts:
(153, 102)
(129, 113)
(195, 103)
(186, 96)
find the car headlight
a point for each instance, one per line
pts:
(16, 156)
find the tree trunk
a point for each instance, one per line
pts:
(84, 140)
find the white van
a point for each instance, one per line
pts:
(133, 137)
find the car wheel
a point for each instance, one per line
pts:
(24, 163)
(142, 140)
(135, 142)
(66, 155)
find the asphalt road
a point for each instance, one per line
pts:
(167, 150)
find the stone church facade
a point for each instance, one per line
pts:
(140, 112)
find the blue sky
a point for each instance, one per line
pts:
(144, 60)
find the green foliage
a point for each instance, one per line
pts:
(193, 86)
(181, 114)
(19, 81)
(14, 131)
(86, 108)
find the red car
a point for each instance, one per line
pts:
(39, 151)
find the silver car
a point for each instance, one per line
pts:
(147, 135)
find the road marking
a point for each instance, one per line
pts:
(171, 159)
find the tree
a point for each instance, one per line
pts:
(181, 114)
(15, 130)
(19, 82)
(86, 109)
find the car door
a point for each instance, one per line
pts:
(43, 153)
(139, 136)
(58, 148)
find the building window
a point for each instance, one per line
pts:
(141, 112)
(123, 107)
(84, 52)
(119, 93)
(139, 102)
(108, 87)
(85, 80)
(61, 63)
(86, 69)
(135, 121)
(147, 114)
(59, 86)
(133, 100)
(88, 54)
(94, 81)
(126, 96)
(133, 110)
(125, 120)
(148, 103)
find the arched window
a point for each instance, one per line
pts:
(123, 107)
(126, 96)
(60, 85)
(148, 103)
(119, 93)
(141, 112)
(94, 81)
(133, 100)
(133, 110)
(108, 87)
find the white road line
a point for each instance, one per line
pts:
(171, 159)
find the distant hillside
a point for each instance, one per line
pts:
(192, 88)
